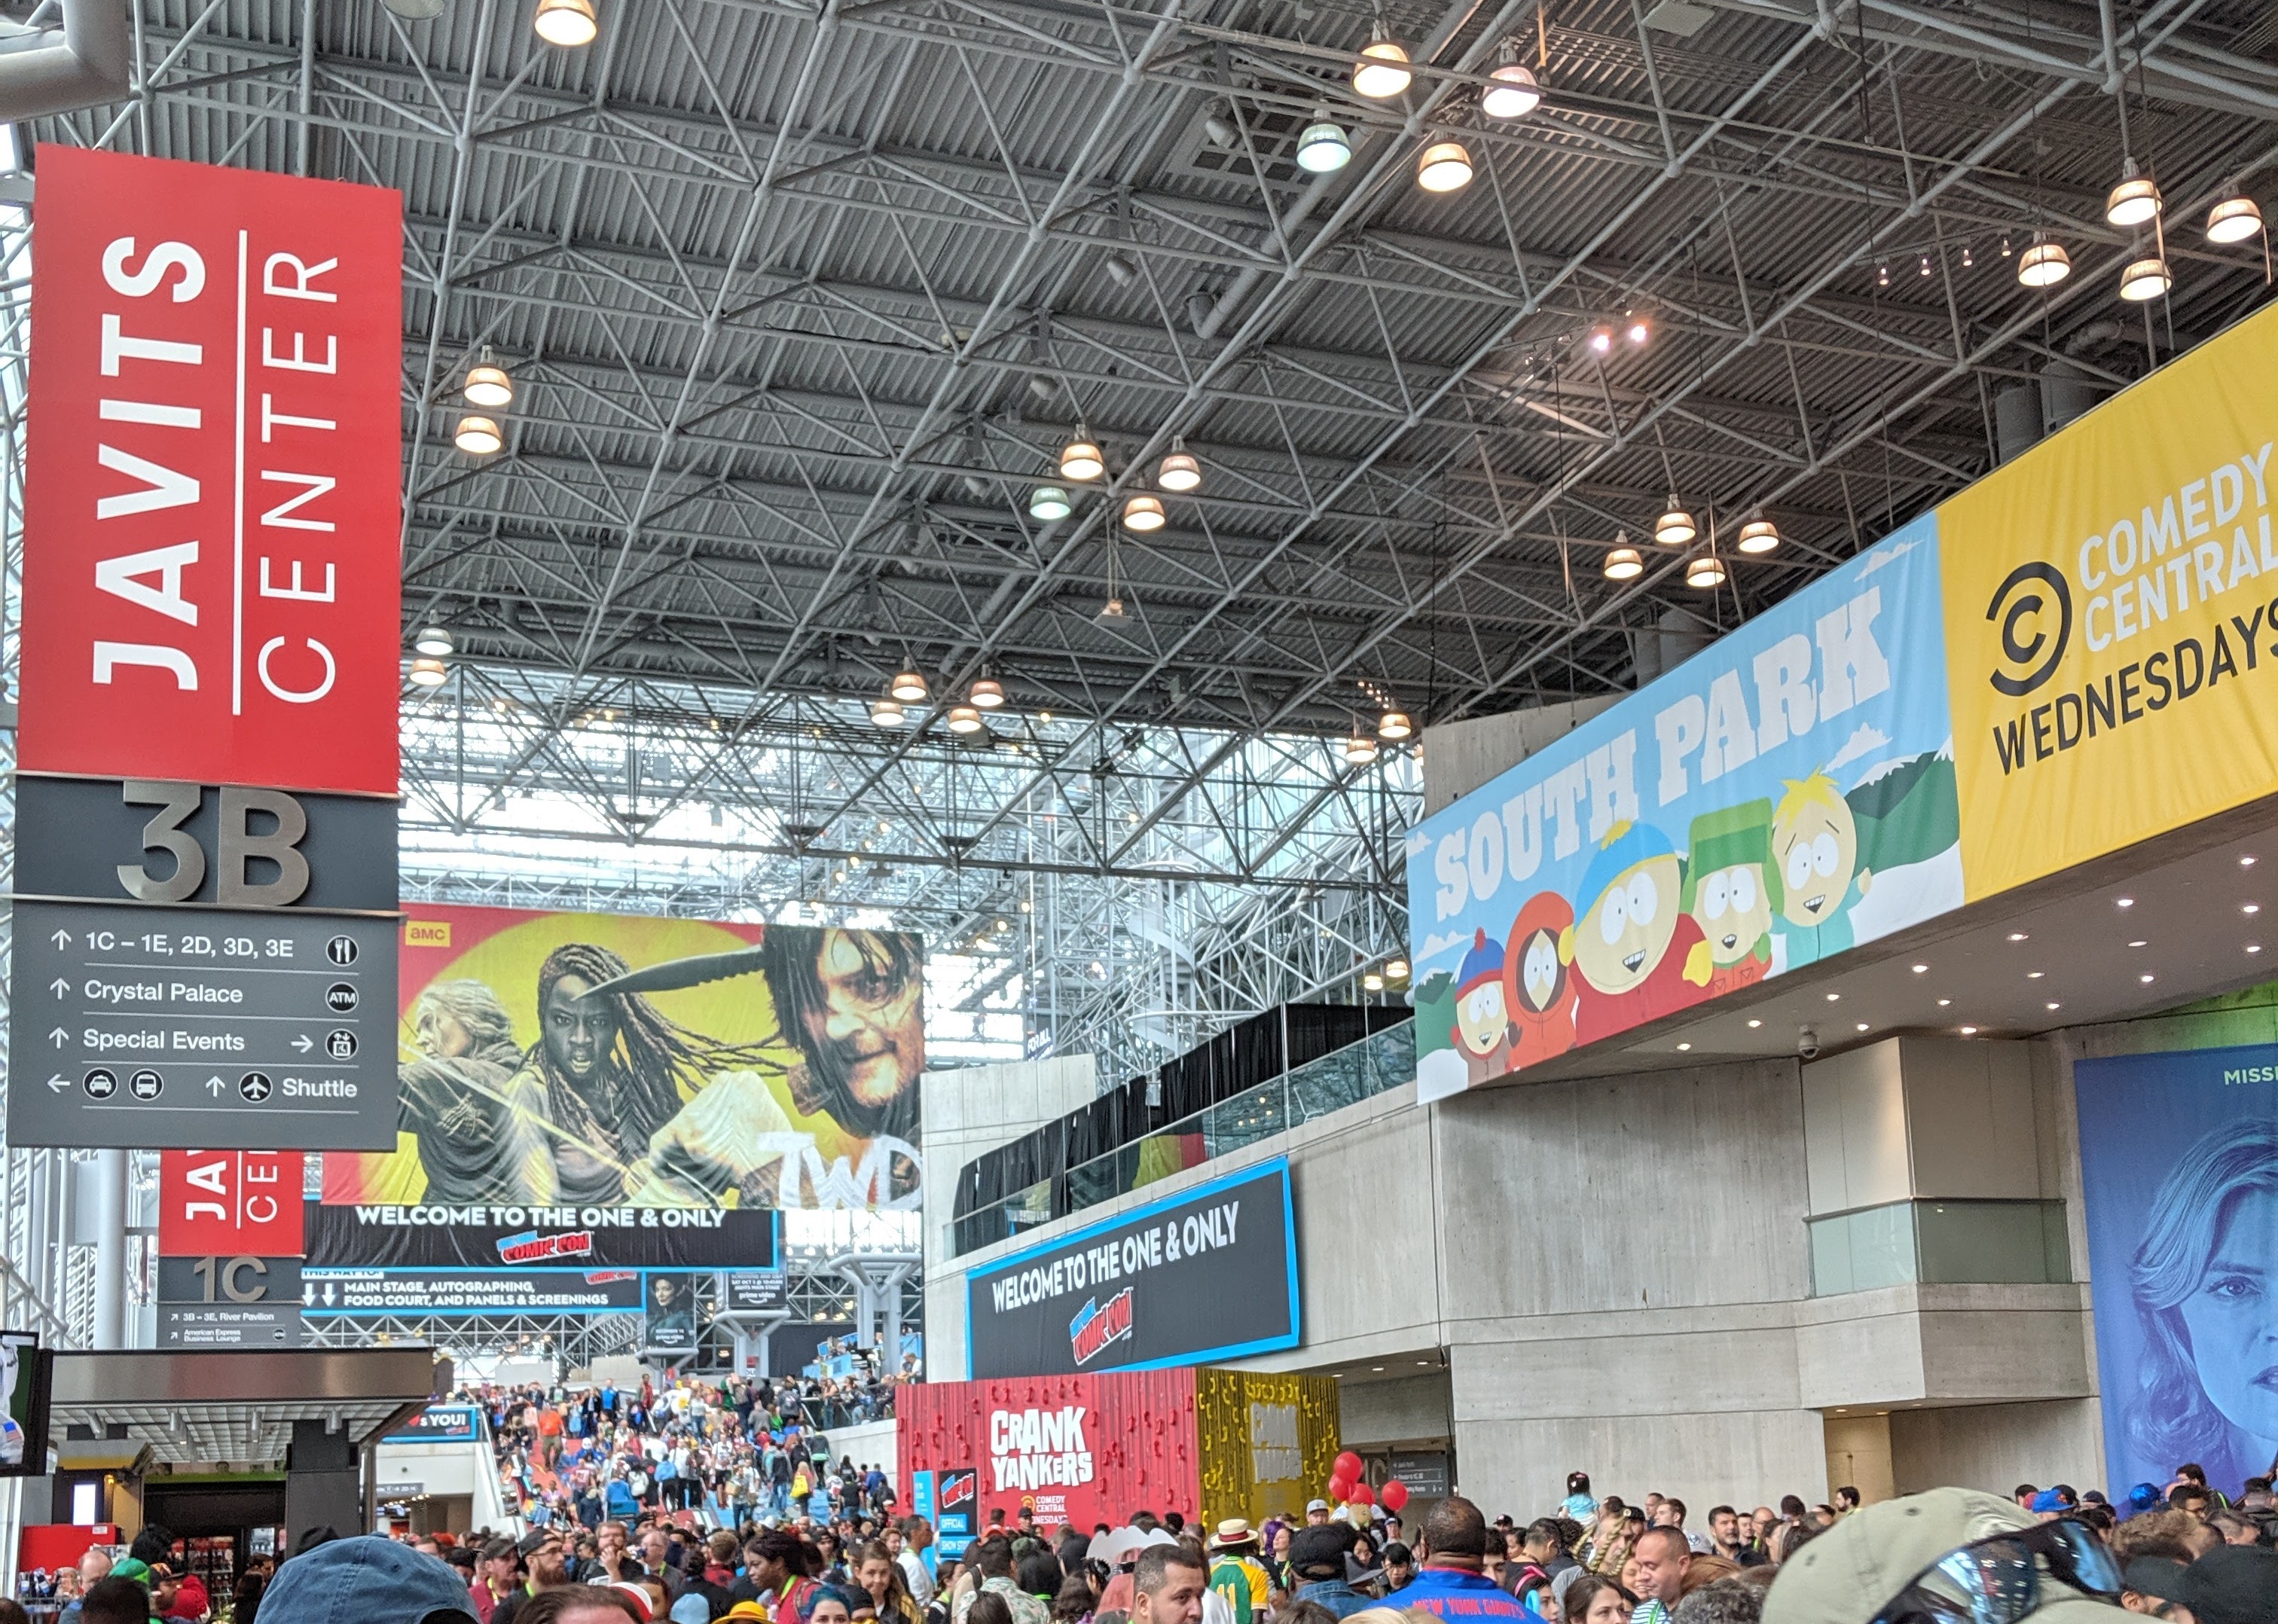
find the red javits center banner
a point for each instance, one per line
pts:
(212, 590)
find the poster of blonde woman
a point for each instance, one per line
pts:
(587, 1089)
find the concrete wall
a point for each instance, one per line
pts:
(1460, 756)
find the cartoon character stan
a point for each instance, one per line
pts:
(1816, 849)
(1537, 993)
(1482, 1028)
(1641, 956)
(1731, 890)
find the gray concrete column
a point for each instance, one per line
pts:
(107, 1214)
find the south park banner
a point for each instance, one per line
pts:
(2062, 660)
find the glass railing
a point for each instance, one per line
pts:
(1377, 1064)
(1939, 1243)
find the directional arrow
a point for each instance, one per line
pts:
(59, 1084)
(304, 1043)
(214, 1087)
(59, 986)
(62, 938)
(59, 1037)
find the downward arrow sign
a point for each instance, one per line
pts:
(59, 1037)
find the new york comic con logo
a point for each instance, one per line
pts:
(1098, 1324)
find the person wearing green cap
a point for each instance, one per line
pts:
(1731, 890)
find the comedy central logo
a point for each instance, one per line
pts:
(2033, 605)
(1098, 1324)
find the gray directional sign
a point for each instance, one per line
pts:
(201, 1026)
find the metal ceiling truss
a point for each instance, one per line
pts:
(801, 297)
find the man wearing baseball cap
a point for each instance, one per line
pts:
(1316, 1570)
(1948, 1553)
(1317, 1513)
(367, 1580)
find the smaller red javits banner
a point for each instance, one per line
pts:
(212, 527)
(229, 1203)
(1075, 1449)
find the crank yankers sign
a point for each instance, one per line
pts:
(1208, 1274)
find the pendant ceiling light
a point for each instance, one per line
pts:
(908, 686)
(1446, 166)
(435, 640)
(1625, 564)
(488, 384)
(1394, 725)
(1513, 94)
(1049, 502)
(1372, 981)
(565, 22)
(1759, 535)
(2234, 218)
(886, 712)
(1360, 749)
(1111, 610)
(963, 718)
(1383, 70)
(1396, 969)
(1080, 460)
(428, 672)
(1324, 149)
(2145, 280)
(987, 692)
(1179, 471)
(1706, 573)
(1675, 527)
(2135, 201)
(2044, 264)
(1144, 512)
(478, 436)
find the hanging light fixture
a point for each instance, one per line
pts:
(2044, 264)
(1383, 70)
(963, 718)
(1706, 573)
(1360, 749)
(1602, 339)
(908, 686)
(1372, 981)
(1759, 535)
(1142, 512)
(1049, 502)
(1675, 527)
(1640, 330)
(1111, 610)
(2145, 280)
(2234, 218)
(1323, 148)
(433, 640)
(1396, 969)
(478, 436)
(428, 672)
(886, 712)
(1179, 471)
(1446, 166)
(487, 383)
(1625, 563)
(1394, 725)
(2135, 201)
(987, 692)
(1080, 460)
(565, 22)
(1513, 94)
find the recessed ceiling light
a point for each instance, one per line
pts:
(2139, 944)
(1833, 997)
(1921, 969)
(2247, 861)
(2017, 935)
(1863, 1025)
(1754, 1024)
(2146, 978)
(2035, 975)
(2053, 1003)
(1377, 1370)
(2254, 946)
(1944, 1001)
(2250, 907)
(1969, 1032)
(1683, 1046)
(2125, 902)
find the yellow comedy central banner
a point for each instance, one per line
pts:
(2111, 603)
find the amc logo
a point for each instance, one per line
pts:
(2033, 605)
(426, 933)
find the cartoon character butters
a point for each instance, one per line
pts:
(1482, 1027)
(1731, 890)
(1641, 954)
(1816, 848)
(1538, 994)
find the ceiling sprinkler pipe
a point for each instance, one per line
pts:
(86, 68)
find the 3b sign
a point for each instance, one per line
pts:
(229, 1202)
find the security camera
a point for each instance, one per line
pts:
(1807, 1043)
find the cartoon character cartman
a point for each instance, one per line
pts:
(1641, 955)
(1816, 848)
(1537, 993)
(1482, 1029)
(1732, 891)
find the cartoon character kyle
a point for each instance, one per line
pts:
(1731, 890)
(1816, 849)
(1641, 956)
(1482, 1028)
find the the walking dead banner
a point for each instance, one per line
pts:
(584, 1091)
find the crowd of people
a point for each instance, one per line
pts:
(733, 1452)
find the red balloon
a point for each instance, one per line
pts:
(1346, 1465)
(1362, 1495)
(1340, 1488)
(1393, 1494)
